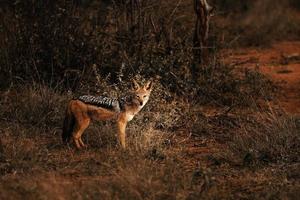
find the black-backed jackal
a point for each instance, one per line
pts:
(81, 111)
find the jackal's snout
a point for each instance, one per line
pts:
(139, 100)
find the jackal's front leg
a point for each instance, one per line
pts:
(121, 132)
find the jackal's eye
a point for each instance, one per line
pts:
(145, 96)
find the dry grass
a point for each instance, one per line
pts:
(174, 152)
(275, 139)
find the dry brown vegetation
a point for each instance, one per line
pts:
(219, 135)
(176, 150)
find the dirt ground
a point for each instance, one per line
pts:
(281, 62)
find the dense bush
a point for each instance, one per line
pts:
(61, 41)
(49, 41)
(257, 23)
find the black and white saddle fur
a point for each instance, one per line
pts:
(104, 102)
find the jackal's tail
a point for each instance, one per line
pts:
(68, 126)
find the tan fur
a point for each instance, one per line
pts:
(82, 114)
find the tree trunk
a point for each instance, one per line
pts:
(203, 13)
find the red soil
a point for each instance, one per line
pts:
(281, 62)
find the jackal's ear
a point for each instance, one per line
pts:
(135, 85)
(148, 85)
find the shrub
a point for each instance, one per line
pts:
(270, 138)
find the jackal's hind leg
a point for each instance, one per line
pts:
(79, 129)
(76, 141)
(81, 142)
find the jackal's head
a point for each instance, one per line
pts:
(142, 93)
